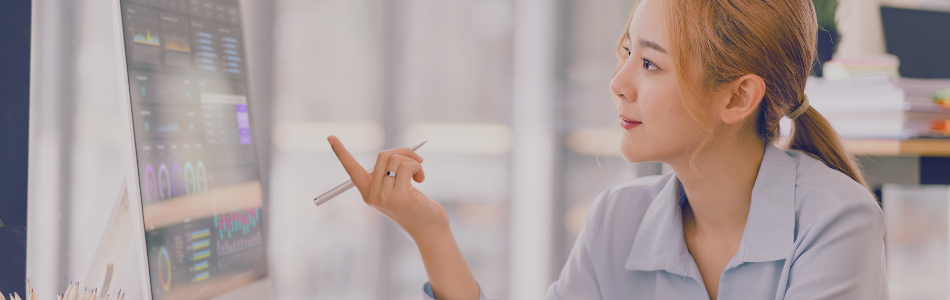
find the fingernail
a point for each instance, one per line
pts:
(331, 141)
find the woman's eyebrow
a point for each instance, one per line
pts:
(651, 45)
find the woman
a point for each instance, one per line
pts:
(701, 86)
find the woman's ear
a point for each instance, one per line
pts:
(746, 94)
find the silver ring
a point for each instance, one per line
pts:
(391, 174)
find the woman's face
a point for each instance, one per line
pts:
(656, 125)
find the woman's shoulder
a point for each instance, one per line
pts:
(823, 194)
(813, 173)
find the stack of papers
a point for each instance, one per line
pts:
(880, 107)
(842, 67)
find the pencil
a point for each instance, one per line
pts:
(349, 184)
(75, 294)
(69, 292)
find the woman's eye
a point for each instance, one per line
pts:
(648, 65)
(626, 49)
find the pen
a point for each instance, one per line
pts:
(349, 183)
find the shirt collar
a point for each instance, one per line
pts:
(769, 232)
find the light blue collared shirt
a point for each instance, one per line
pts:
(812, 233)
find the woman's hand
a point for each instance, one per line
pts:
(396, 198)
(425, 220)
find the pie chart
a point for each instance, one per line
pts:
(164, 269)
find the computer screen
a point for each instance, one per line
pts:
(202, 201)
(919, 38)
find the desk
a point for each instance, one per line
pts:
(914, 161)
(911, 162)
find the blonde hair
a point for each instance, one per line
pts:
(774, 39)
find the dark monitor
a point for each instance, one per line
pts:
(196, 178)
(920, 39)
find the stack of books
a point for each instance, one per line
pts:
(882, 107)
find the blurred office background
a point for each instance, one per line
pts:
(512, 96)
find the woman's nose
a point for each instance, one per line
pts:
(622, 84)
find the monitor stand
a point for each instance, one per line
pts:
(112, 246)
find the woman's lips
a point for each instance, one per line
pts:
(628, 124)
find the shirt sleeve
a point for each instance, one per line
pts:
(428, 295)
(578, 279)
(842, 255)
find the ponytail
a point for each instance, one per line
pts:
(774, 39)
(813, 135)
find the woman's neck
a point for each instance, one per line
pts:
(719, 191)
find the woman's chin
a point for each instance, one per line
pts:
(633, 150)
(633, 158)
(631, 154)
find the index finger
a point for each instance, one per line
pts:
(360, 177)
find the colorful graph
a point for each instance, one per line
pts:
(177, 182)
(201, 276)
(200, 243)
(144, 38)
(201, 255)
(239, 221)
(200, 234)
(164, 277)
(201, 266)
(176, 43)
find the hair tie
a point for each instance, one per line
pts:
(800, 109)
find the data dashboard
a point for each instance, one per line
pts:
(202, 201)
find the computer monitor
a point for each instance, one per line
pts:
(194, 185)
(919, 38)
